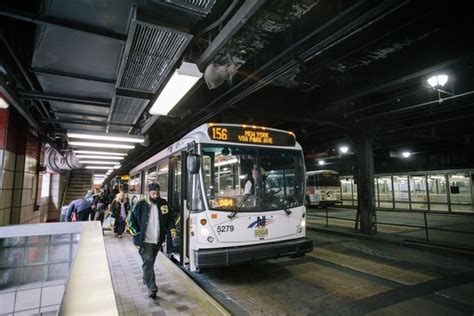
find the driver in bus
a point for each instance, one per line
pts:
(249, 187)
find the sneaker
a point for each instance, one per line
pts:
(152, 294)
(119, 236)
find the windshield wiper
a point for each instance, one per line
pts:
(237, 209)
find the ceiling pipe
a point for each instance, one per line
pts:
(220, 20)
(245, 12)
(23, 70)
(13, 99)
(34, 95)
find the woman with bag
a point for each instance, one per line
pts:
(120, 208)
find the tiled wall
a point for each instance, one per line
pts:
(6, 185)
(56, 192)
(20, 182)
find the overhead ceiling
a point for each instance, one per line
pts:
(327, 70)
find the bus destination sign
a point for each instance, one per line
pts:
(251, 135)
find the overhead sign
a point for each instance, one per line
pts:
(251, 135)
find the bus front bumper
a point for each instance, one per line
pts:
(221, 257)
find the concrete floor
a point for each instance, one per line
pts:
(348, 276)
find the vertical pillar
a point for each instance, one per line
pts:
(365, 184)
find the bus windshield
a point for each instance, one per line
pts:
(252, 179)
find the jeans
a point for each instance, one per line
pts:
(83, 216)
(148, 253)
(119, 225)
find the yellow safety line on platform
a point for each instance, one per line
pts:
(210, 305)
(380, 270)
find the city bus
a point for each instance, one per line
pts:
(203, 178)
(323, 188)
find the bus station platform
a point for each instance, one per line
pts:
(177, 293)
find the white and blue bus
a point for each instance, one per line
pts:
(203, 177)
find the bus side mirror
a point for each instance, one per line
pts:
(193, 163)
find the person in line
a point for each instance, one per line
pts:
(95, 201)
(120, 208)
(149, 222)
(82, 208)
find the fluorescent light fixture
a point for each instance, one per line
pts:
(406, 154)
(97, 167)
(117, 166)
(3, 104)
(98, 157)
(93, 152)
(103, 145)
(110, 137)
(180, 83)
(344, 149)
(98, 162)
(321, 162)
(438, 80)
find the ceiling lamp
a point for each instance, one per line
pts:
(344, 149)
(406, 154)
(437, 80)
(182, 80)
(3, 104)
(104, 145)
(98, 157)
(94, 162)
(109, 137)
(321, 162)
(97, 167)
(93, 152)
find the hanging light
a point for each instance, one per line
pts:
(109, 137)
(3, 104)
(344, 149)
(438, 80)
(406, 154)
(103, 145)
(94, 152)
(182, 80)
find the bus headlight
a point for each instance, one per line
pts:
(303, 223)
(204, 231)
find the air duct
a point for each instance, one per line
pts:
(153, 47)
(59, 163)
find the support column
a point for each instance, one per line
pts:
(364, 176)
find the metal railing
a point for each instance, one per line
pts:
(425, 220)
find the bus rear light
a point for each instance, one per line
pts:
(203, 221)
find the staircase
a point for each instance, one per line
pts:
(80, 182)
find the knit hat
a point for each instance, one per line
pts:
(153, 187)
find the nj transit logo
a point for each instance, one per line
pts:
(260, 222)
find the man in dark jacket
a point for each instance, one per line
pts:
(148, 223)
(81, 207)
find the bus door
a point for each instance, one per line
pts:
(176, 194)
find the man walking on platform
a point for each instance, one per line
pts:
(148, 223)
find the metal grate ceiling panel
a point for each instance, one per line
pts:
(153, 50)
(126, 109)
(201, 6)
